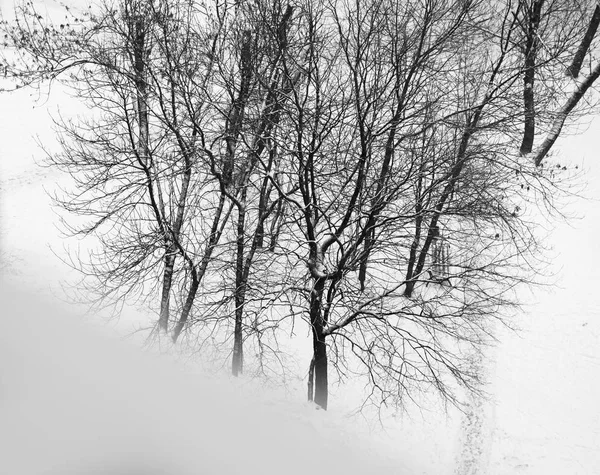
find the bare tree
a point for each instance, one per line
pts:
(353, 163)
(402, 135)
(135, 160)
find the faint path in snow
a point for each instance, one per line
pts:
(477, 422)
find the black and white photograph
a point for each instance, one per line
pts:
(316, 237)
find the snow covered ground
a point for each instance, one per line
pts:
(76, 400)
(546, 390)
(73, 402)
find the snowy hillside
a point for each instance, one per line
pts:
(61, 395)
(76, 400)
(545, 414)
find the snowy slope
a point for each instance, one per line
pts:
(75, 400)
(71, 400)
(546, 389)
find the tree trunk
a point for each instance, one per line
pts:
(379, 201)
(529, 105)
(237, 363)
(319, 346)
(561, 116)
(320, 369)
(163, 319)
(276, 225)
(362, 270)
(187, 306)
(311, 381)
(237, 112)
(575, 67)
(412, 257)
(531, 49)
(262, 210)
(140, 57)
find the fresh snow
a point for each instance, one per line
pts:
(76, 400)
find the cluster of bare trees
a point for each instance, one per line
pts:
(353, 164)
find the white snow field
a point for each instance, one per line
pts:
(545, 385)
(73, 400)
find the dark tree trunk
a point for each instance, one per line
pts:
(562, 115)
(362, 271)
(531, 49)
(198, 275)
(319, 362)
(379, 201)
(139, 59)
(409, 288)
(243, 264)
(163, 319)
(529, 122)
(236, 115)
(262, 210)
(575, 67)
(237, 362)
(433, 228)
(321, 390)
(187, 306)
(412, 256)
(276, 225)
(311, 380)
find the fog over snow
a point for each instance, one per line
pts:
(74, 399)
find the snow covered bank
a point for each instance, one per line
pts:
(75, 400)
